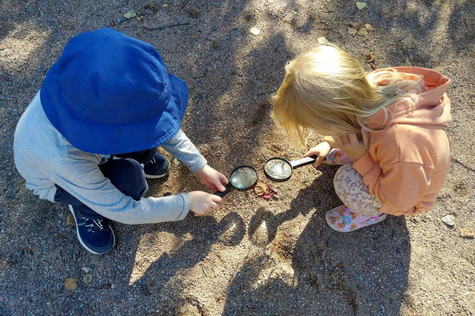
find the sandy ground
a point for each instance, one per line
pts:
(253, 256)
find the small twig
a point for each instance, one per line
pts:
(204, 271)
(401, 39)
(183, 5)
(165, 26)
(171, 226)
(219, 257)
(266, 91)
(463, 165)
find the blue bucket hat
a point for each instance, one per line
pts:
(109, 93)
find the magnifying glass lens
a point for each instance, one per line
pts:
(243, 178)
(278, 169)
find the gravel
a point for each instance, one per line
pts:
(253, 256)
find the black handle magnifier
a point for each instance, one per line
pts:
(280, 169)
(242, 178)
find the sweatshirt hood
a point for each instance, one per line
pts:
(432, 105)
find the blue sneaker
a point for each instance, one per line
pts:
(94, 234)
(157, 167)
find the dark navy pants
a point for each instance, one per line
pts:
(125, 174)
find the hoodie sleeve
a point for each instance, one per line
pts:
(399, 186)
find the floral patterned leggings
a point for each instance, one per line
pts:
(350, 188)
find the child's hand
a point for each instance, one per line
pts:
(215, 180)
(203, 203)
(352, 147)
(321, 150)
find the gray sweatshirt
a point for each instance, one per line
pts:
(45, 158)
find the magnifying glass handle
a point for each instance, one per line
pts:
(304, 161)
(228, 187)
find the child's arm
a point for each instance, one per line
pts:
(181, 147)
(321, 151)
(352, 146)
(203, 203)
(212, 178)
(330, 141)
(79, 174)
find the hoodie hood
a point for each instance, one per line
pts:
(432, 105)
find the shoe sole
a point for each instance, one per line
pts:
(340, 231)
(156, 177)
(82, 243)
(149, 176)
(347, 231)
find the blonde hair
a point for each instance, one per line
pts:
(328, 91)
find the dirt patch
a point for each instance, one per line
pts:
(254, 256)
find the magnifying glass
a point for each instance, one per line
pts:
(280, 169)
(242, 178)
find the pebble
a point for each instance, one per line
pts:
(71, 284)
(87, 278)
(5, 264)
(465, 233)
(449, 220)
(70, 220)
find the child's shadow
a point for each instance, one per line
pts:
(360, 273)
(320, 194)
(205, 232)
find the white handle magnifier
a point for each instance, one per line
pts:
(280, 169)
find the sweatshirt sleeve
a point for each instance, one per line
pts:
(45, 158)
(181, 147)
(398, 185)
(79, 174)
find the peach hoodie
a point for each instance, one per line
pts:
(407, 163)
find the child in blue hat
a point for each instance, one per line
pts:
(89, 137)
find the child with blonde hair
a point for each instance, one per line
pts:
(386, 128)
